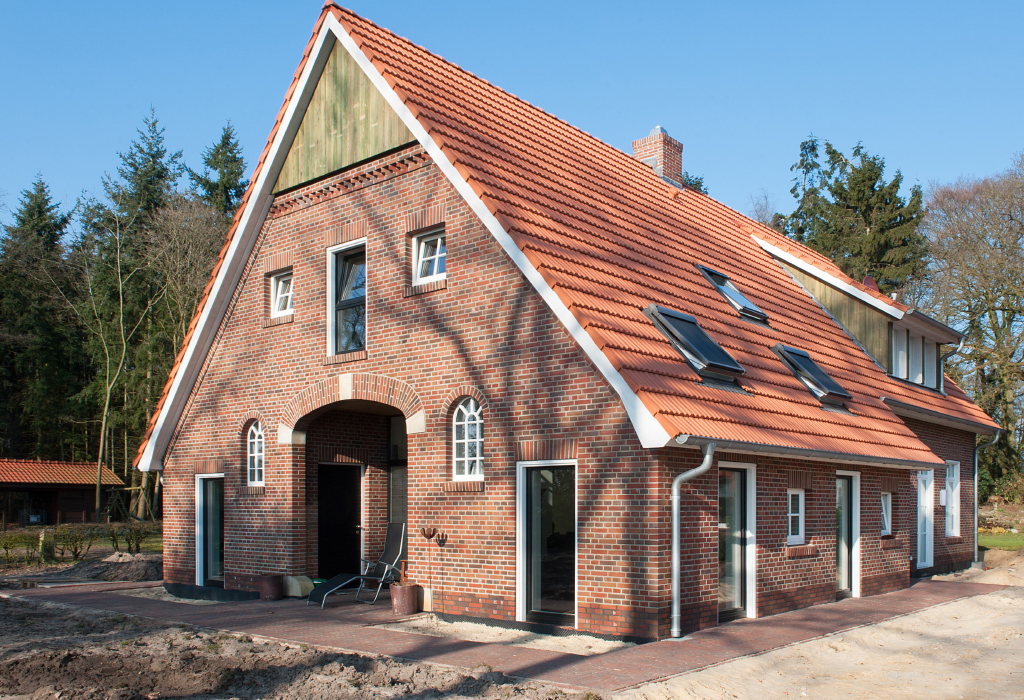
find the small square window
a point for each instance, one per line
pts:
(281, 295)
(795, 517)
(886, 513)
(430, 252)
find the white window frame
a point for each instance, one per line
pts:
(479, 440)
(886, 503)
(900, 361)
(255, 435)
(800, 537)
(952, 499)
(417, 251)
(915, 361)
(855, 522)
(200, 506)
(329, 286)
(275, 294)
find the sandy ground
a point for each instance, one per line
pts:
(159, 593)
(48, 650)
(970, 648)
(581, 644)
(1002, 567)
(110, 567)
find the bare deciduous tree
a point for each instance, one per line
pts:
(762, 208)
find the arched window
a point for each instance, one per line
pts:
(255, 454)
(468, 441)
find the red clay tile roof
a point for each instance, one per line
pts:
(28, 471)
(610, 237)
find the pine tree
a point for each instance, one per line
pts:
(847, 211)
(41, 361)
(148, 172)
(694, 182)
(222, 183)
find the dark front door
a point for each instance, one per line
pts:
(732, 544)
(551, 545)
(213, 532)
(339, 520)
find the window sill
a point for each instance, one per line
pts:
(278, 320)
(424, 288)
(253, 490)
(801, 551)
(345, 357)
(890, 542)
(463, 487)
(954, 539)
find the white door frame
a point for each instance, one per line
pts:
(926, 506)
(855, 527)
(521, 468)
(750, 545)
(200, 530)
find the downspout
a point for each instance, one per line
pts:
(942, 364)
(978, 449)
(709, 453)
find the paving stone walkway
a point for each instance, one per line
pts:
(345, 625)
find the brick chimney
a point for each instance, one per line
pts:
(663, 153)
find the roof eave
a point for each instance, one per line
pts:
(927, 415)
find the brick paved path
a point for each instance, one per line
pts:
(343, 625)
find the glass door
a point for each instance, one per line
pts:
(732, 540)
(551, 545)
(925, 519)
(213, 532)
(844, 536)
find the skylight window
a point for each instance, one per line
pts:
(705, 355)
(733, 295)
(824, 387)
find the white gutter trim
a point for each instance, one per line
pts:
(248, 226)
(648, 429)
(828, 279)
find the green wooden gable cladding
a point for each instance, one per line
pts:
(347, 121)
(864, 323)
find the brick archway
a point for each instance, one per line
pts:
(366, 387)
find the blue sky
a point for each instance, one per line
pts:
(936, 88)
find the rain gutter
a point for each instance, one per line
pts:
(708, 447)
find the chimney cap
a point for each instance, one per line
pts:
(658, 130)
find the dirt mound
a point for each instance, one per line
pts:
(1003, 558)
(139, 567)
(50, 650)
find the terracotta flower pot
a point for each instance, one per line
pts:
(404, 599)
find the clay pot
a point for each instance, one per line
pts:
(272, 587)
(404, 599)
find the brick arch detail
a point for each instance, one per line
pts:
(345, 387)
(247, 418)
(460, 392)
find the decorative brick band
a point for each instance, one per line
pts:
(463, 487)
(278, 262)
(343, 387)
(351, 231)
(801, 480)
(535, 450)
(890, 484)
(209, 466)
(424, 288)
(277, 321)
(252, 490)
(345, 357)
(329, 454)
(891, 543)
(806, 550)
(424, 218)
(954, 540)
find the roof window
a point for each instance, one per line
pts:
(733, 295)
(705, 355)
(824, 387)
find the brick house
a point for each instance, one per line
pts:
(440, 305)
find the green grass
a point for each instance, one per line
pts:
(1006, 540)
(153, 544)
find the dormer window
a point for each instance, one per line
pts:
(825, 388)
(733, 295)
(914, 358)
(706, 356)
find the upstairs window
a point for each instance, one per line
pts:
(468, 441)
(914, 358)
(254, 454)
(281, 295)
(430, 252)
(706, 356)
(733, 295)
(349, 318)
(795, 517)
(886, 513)
(824, 387)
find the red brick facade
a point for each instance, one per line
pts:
(484, 332)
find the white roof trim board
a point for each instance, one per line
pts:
(648, 429)
(825, 277)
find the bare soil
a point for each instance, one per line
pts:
(1005, 515)
(48, 650)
